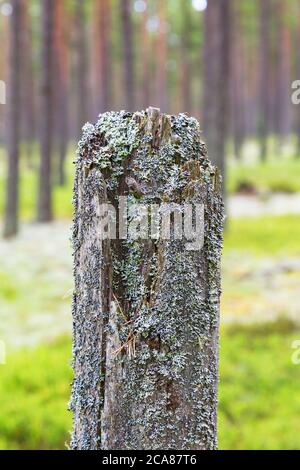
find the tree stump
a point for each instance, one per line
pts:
(146, 300)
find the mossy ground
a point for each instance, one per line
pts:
(34, 390)
(259, 393)
(259, 387)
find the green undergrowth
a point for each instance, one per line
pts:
(62, 195)
(259, 392)
(259, 388)
(267, 236)
(34, 394)
(275, 175)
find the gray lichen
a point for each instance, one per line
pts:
(145, 312)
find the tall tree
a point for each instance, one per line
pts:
(28, 81)
(251, 86)
(283, 110)
(13, 121)
(216, 79)
(102, 55)
(237, 73)
(185, 79)
(61, 78)
(4, 27)
(128, 62)
(297, 107)
(46, 114)
(81, 65)
(145, 56)
(162, 56)
(264, 54)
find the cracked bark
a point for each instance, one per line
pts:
(145, 312)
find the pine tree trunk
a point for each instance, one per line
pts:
(162, 57)
(61, 64)
(237, 82)
(216, 79)
(283, 99)
(296, 108)
(13, 122)
(145, 309)
(145, 59)
(102, 54)
(81, 65)
(128, 63)
(46, 115)
(185, 69)
(264, 68)
(28, 83)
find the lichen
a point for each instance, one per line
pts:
(161, 298)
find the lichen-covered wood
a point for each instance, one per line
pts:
(145, 311)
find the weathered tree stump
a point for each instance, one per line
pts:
(146, 308)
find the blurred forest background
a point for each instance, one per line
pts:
(231, 64)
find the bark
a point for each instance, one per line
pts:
(13, 122)
(145, 311)
(128, 63)
(46, 115)
(89, 311)
(216, 79)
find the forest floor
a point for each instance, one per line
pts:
(243, 205)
